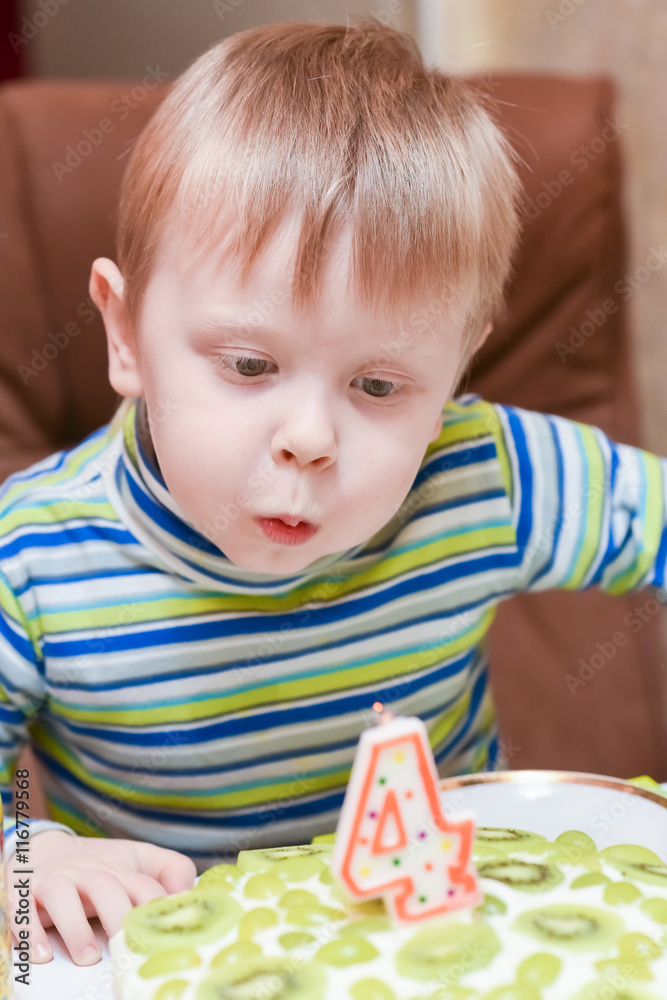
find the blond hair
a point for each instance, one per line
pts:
(345, 126)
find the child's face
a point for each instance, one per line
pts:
(257, 410)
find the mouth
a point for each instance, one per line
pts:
(287, 529)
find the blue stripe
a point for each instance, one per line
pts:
(525, 484)
(206, 630)
(58, 537)
(558, 524)
(242, 725)
(17, 641)
(243, 665)
(471, 454)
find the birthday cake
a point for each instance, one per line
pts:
(558, 921)
(404, 905)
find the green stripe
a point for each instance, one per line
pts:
(10, 605)
(420, 556)
(652, 516)
(57, 512)
(75, 820)
(592, 513)
(334, 679)
(78, 457)
(191, 799)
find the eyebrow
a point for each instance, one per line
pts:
(213, 325)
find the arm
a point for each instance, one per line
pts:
(587, 512)
(70, 878)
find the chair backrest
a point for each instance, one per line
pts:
(563, 348)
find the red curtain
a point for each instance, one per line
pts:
(12, 43)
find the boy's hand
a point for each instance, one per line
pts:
(79, 877)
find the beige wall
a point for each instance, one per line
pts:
(624, 39)
(120, 38)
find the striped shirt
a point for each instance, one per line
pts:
(175, 698)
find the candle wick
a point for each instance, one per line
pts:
(383, 714)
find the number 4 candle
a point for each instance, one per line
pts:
(392, 838)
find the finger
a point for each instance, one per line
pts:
(174, 871)
(105, 896)
(40, 950)
(60, 898)
(142, 888)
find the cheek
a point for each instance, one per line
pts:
(387, 471)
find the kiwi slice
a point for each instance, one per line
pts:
(268, 978)
(527, 876)
(183, 921)
(506, 839)
(580, 928)
(638, 863)
(447, 950)
(258, 862)
(630, 852)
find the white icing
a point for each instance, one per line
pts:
(577, 970)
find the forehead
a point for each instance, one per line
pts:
(204, 258)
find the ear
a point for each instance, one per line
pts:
(107, 289)
(485, 333)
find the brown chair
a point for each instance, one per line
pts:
(577, 679)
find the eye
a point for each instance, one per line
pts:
(248, 367)
(379, 387)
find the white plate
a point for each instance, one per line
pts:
(610, 811)
(547, 802)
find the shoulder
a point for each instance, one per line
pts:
(467, 418)
(470, 425)
(490, 439)
(63, 487)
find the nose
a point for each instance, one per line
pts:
(306, 435)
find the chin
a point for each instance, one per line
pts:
(278, 563)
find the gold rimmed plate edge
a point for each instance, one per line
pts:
(550, 778)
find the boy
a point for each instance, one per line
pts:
(293, 519)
